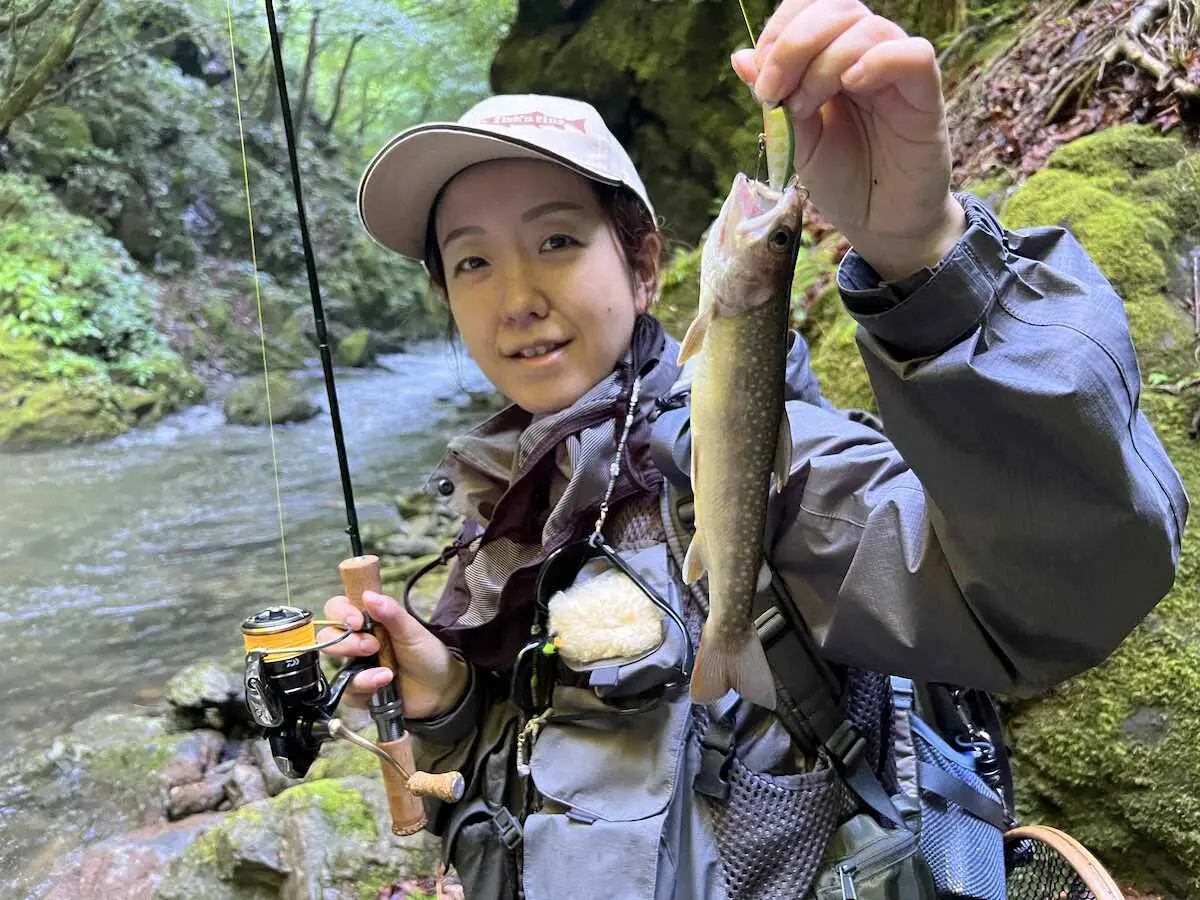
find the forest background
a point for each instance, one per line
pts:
(128, 290)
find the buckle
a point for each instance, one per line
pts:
(846, 744)
(507, 828)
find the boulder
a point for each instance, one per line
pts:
(247, 403)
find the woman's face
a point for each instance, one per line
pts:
(538, 284)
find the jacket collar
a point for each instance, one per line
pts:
(480, 465)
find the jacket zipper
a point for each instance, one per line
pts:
(847, 882)
(890, 853)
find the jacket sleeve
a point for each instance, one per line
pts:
(1021, 516)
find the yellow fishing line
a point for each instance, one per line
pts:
(746, 16)
(262, 334)
(302, 635)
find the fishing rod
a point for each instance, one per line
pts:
(286, 690)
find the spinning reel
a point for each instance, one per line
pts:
(290, 699)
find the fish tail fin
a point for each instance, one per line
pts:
(741, 665)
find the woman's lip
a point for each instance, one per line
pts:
(544, 359)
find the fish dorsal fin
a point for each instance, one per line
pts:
(783, 452)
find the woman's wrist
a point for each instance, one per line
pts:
(459, 679)
(897, 258)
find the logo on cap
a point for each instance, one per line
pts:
(537, 119)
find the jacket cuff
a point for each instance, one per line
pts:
(925, 313)
(453, 726)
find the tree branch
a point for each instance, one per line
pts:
(20, 20)
(15, 103)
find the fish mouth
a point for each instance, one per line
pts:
(763, 210)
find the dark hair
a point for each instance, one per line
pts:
(630, 219)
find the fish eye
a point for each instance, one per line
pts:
(780, 239)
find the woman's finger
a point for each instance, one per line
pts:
(776, 25)
(340, 609)
(823, 78)
(910, 65)
(358, 692)
(783, 68)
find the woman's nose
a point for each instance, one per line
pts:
(523, 300)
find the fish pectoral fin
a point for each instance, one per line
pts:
(694, 565)
(740, 664)
(764, 579)
(694, 339)
(783, 453)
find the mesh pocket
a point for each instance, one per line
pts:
(772, 832)
(965, 854)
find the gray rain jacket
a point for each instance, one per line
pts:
(1019, 519)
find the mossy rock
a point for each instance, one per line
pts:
(326, 838)
(56, 413)
(355, 350)
(281, 399)
(1110, 755)
(52, 140)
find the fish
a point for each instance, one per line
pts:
(741, 443)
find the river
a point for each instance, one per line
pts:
(122, 562)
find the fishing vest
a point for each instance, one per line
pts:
(844, 791)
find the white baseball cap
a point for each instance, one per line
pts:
(398, 189)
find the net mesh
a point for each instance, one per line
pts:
(1036, 871)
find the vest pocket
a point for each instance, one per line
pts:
(607, 781)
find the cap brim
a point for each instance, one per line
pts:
(397, 191)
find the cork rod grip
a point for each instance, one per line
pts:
(359, 574)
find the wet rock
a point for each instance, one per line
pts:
(275, 781)
(329, 838)
(289, 402)
(132, 865)
(356, 349)
(409, 545)
(246, 784)
(200, 796)
(204, 684)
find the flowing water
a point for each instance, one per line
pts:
(121, 563)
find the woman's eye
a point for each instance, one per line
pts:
(558, 242)
(469, 264)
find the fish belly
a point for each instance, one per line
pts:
(737, 408)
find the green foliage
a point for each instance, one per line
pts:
(65, 285)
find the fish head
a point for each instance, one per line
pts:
(750, 252)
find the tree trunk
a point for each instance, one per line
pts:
(310, 61)
(340, 87)
(14, 104)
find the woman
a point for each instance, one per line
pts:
(1017, 522)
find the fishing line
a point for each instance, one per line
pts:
(262, 333)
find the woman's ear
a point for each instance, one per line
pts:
(646, 271)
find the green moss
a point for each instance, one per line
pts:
(993, 191)
(354, 349)
(339, 759)
(836, 360)
(1121, 152)
(680, 292)
(347, 809)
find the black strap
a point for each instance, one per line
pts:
(944, 785)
